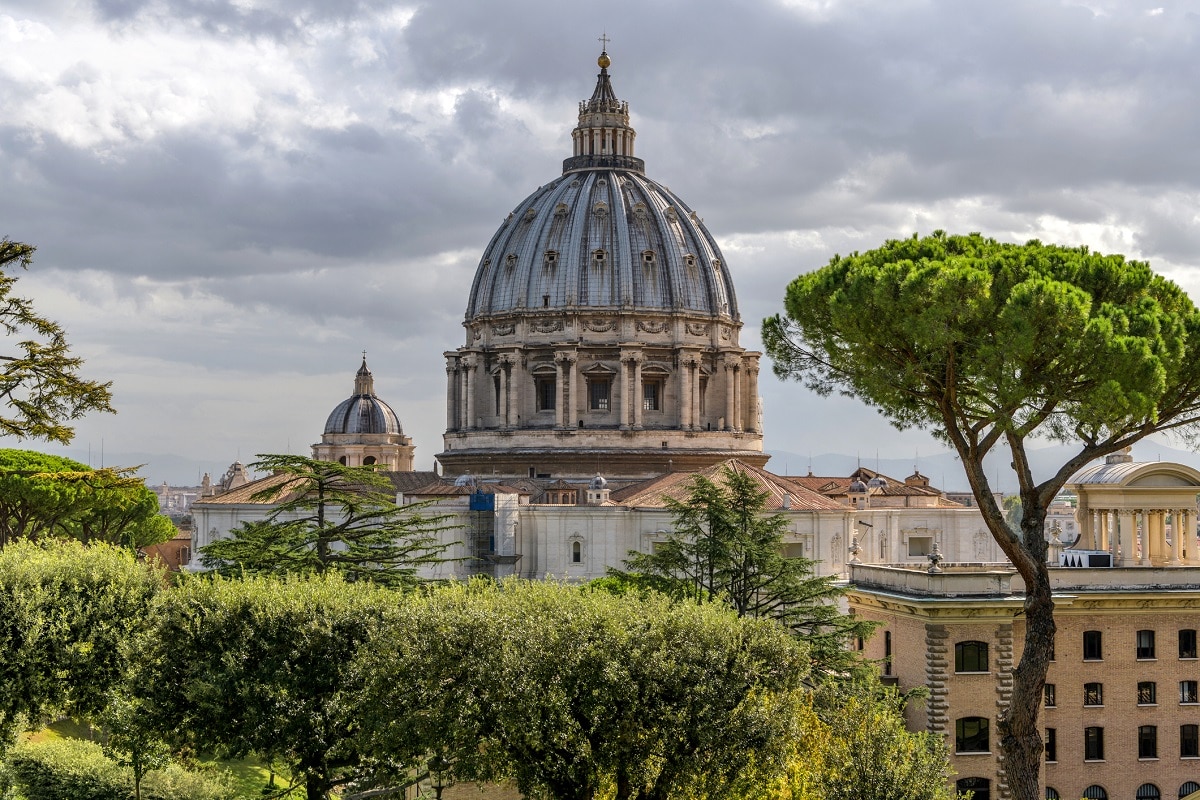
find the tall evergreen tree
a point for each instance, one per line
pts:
(331, 517)
(725, 548)
(39, 380)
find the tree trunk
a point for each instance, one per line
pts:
(1020, 737)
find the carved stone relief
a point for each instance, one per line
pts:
(651, 326)
(697, 328)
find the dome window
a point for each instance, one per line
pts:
(550, 258)
(510, 260)
(531, 215)
(648, 258)
(600, 209)
(599, 257)
(689, 261)
(672, 215)
(560, 210)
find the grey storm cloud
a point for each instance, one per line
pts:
(230, 196)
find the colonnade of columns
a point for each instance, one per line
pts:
(1138, 536)
(463, 372)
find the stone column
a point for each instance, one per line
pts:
(1125, 537)
(731, 363)
(463, 422)
(637, 390)
(752, 397)
(1104, 530)
(1143, 534)
(451, 395)
(1184, 547)
(559, 387)
(502, 401)
(685, 385)
(621, 394)
(471, 363)
(573, 390)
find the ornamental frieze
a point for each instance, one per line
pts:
(697, 328)
(651, 326)
(546, 326)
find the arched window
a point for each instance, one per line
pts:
(342, 461)
(576, 552)
(971, 735)
(971, 657)
(981, 788)
(1051, 793)
(1095, 792)
(369, 461)
(1148, 791)
(1191, 787)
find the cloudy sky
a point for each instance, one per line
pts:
(232, 198)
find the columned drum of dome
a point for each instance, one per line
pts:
(602, 328)
(363, 431)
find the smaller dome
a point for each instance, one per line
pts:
(598, 482)
(858, 487)
(363, 412)
(878, 482)
(467, 480)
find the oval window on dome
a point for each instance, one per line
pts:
(599, 257)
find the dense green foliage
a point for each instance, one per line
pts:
(65, 612)
(72, 769)
(865, 752)
(50, 496)
(993, 346)
(723, 547)
(330, 517)
(579, 694)
(260, 665)
(39, 381)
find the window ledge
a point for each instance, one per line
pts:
(972, 672)
(1093, 705)
(1147, 705)
(1093, 761)
(972, 752)
(1189, 758)
(1189, 658)
(1150, 758)
(1190, 703)
(1152, 658)
(1091, 660)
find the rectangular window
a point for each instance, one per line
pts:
(703, 394)
(1189, 741)
(1147, 741)
(1092, 650)
(545, 390)
(599, 393)
(1051, 744)
(1093, 694)
(971, 735)
(1145, 644)
(1093, 744)
(1188, 692)
(1147, 693)
(1048, 692)
(1187, 643)
(652, 396)
(971, 657)
(887, 652)
(496, 391)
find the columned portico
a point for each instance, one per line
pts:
(1142, 513)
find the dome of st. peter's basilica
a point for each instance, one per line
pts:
(602, 328)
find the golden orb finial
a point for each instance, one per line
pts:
(603, 61)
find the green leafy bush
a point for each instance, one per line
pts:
(67, 769)
(72, 769)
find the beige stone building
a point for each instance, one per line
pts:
(1121, 710)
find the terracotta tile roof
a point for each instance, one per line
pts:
(836, 486)
(243, 495)
(653, 492)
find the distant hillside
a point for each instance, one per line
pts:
(946, 473)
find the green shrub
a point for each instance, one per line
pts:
(72, 769)
(67, 769)
(176, 783)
